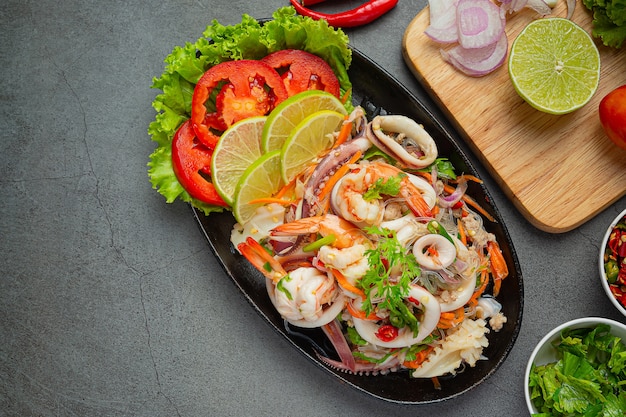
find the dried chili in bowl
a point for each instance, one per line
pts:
(614, 259)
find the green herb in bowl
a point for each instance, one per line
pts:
(579, 369)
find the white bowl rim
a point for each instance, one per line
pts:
(604, 281)
(575, 323)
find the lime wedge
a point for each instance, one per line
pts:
(292, 111)
(554, 65)
(238, 147)
(307, 140)
(259, 180)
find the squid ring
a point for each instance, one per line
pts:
(442, 256)
(432, 311)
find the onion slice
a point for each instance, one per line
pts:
(477, 62)
(571, 5)
(442, 27)
(479, 23)
(540, 6)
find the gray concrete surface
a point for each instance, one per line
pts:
(111, 303)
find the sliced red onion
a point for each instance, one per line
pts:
(442, 27)
(455, 197)
(334, 333)
(513, 5)
(540, 6)
(479, 23)
(571, 5)
(480, 61)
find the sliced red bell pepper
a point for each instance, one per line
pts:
(245, 88)
(192, 163)
(303, 71)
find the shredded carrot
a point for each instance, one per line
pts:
(425, 175)
(338, 174)
(360, 314)
(290, 186)
(346, 285)
(346, 95)
(420, 357)
(432, 251)
(346, 128)
(498, 266)
(469, 177)
(484, 279)
(470, 201)
(462, 234)
(269, 200)
(450, 319)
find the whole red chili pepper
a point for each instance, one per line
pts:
(361, 15)
(310, 2)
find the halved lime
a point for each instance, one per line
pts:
(261, 179)
(292, 111)
(307, 140)
(238, 147)
(554, 65)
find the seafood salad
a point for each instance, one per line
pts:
(377, 244)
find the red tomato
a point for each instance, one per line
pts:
(303, 71)
(613, 115)
(192, 164)
(242, 89)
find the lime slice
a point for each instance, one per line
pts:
(554, 65)
(238, 147)
(261, 179)
(307, 140)
(292, 111)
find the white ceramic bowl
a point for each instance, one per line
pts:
(544, 352)
(605, 283)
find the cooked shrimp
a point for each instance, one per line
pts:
(349, 194)
(307, 297)
(346, 234)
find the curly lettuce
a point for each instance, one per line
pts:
(249, 39)
(609, 21)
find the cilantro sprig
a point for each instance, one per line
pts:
(389, 186)
(391, 270)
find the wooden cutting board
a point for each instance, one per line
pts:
(559, 171)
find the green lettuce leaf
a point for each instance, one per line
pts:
(248, 39)
(588, 379)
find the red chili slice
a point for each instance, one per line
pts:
(192, 162)
(303, 71)
(245, 88)
(387, 332)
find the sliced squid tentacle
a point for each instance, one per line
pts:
(370, 369)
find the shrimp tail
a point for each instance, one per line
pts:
(261, 259)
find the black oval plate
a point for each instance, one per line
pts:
(378, 92)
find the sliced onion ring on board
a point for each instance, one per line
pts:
(571, 5)
(480, 61)
(442, 26)
(540, 6)
(479, 22)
